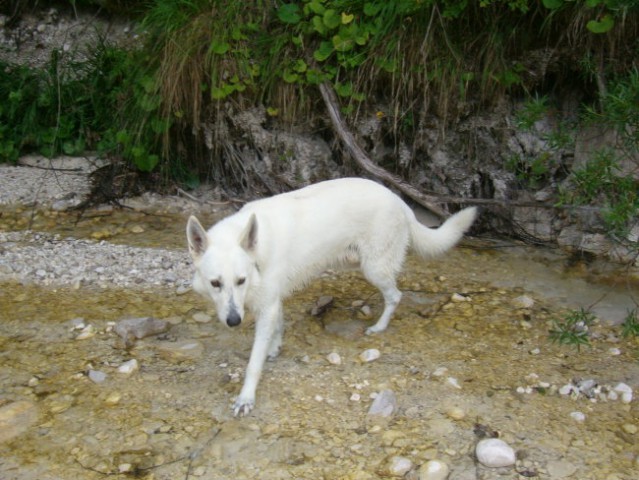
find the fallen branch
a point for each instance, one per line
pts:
(429, 202)
(513, 203)
(366, 163)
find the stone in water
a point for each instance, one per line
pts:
(493, 452)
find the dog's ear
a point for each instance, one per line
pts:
(248, 239)
(196, 235)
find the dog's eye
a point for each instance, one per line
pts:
(216, 284)
(240, 281)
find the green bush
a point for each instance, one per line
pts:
(105, 103)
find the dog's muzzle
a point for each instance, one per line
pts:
(233, 319)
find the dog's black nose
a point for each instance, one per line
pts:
(234, 319)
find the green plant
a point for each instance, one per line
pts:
(573, 329)
(104, 103)
(630, 325)
(600, 181)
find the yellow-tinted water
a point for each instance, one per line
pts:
(452, 364)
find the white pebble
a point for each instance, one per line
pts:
(578, 416)
(453, 382)
(614, 351)
(369, 355)
(355, 397)
(523, 301)
(456, 413)
(334, 359)
(87, 332)
(434, 470)
(493, 452)
(625, 391)
(127, 368)
(566, 389)
(399, 466)
(458, 297)
(96, 376)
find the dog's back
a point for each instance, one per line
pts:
(303, 232)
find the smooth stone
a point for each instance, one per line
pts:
(453, 382)
(96, 376)
(625, 391)
(113, 398)
(523, 301)
(434, 470)
(127, 368)
(140, 327)
(458, 298)
(456, 413)
(369, 355)
(399, 466)
(384, 404)
(560, 469)
(87, 332)
(495, 453)
(578, 416)
(334, 359)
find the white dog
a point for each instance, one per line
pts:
(271, 247)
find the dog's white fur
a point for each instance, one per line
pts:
(271, 247)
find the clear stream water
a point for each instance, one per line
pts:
(457, 368)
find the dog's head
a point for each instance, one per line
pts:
(224, 268)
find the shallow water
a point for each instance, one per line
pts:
(172, 418)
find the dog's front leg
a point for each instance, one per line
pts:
(266, 326)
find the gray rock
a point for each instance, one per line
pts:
(384, 404)
(137, 328)
(96, 376)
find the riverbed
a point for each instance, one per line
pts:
(467, 355)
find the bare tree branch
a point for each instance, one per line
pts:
(366, 163)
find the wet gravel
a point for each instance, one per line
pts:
(53, 260)
(50, 260)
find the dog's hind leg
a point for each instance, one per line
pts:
(266, 326)
(392, 296)
(381, 269)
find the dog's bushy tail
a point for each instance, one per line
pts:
(429, 242)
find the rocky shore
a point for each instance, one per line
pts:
(49, 259)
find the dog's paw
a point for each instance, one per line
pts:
(243, 406)
(273, 354)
